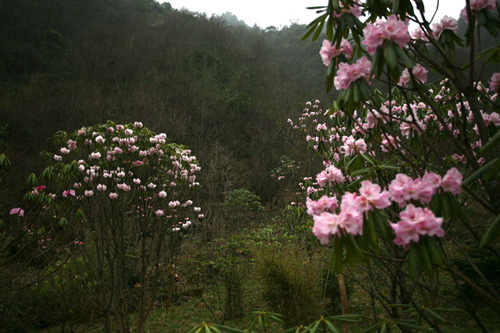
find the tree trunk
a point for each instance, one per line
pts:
(343, 299)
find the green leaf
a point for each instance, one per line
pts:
(356, 248)
(4, 162)
(493, 234)
(395, 6)
(318, 30)
(390, 56)
(329, 28)
(374, 328)
(309, 32)
(355, 92)
(493, 142)
(404, 58)
(414, 262)
(408, 324)
(369, 231)
(433, 251)
(478, 173)
(31, 181)
(47, 173)
(62, 222)
(424, 254)
(313, 328)
(435, 315)
(331, 327)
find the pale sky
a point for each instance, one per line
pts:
(281, 12)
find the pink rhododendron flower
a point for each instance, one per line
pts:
(113, 195)
(495, 82)
(325, 203)
(418, 34)
(101, 187)
(329, 51)
(451, 181)
(58, 158)
(330, 176)
(162, 194)
(392, 29)
(95, 156)
(416, 222)
(88, 193)
(159, 212)
(418, 71)
(477, 5)
(325, 225)
(445, 23)
(138, 124)
(352, 146)
(71, 144)
(17, 211)
(495, 119)
(403, 189)
(351, 216)
(371, 196)
(355, 10)
(68, 193)
(348, 73)
(124, 187)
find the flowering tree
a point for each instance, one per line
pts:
(393, 190)
(123, 195)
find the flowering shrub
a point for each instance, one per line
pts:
(397, 164)
(124, 196)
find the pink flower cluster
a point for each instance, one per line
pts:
(324, 204)
(416, 222)
(477, 5)
(329, 51)
(330, 176)
(392, 29)
(495, 81)
(352, 146)
(418, 71)
(350, 218)
(348, 73)
(17, 211)
(446, 23)
(404, 189)
(354, 10)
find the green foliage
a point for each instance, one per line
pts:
(213, 328)
(262, 320)
(289, 279)
(242, 201)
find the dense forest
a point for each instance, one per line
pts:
(173, 112)
(222, 89)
